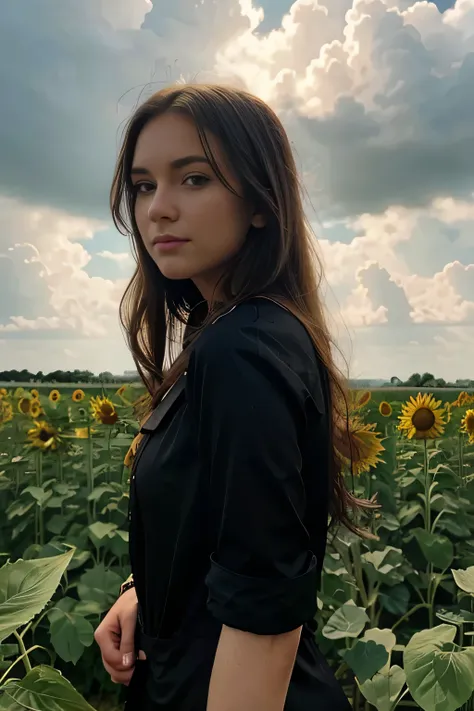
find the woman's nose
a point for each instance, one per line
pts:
(162, 206)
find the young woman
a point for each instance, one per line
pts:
(238, 469)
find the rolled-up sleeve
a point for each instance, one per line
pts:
(248, 406)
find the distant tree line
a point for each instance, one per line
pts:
(62, 376)
(428, 380)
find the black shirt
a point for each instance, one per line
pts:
(229, 508)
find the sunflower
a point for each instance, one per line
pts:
(359, 399)
(385, 409)
(3, 393)
(83, 432)
(54, 395)
(44, 436)
(35, 409)
(463, 399)
(142, 407)
(365, 446)
(130, 456)
(34, 393)
(6, 412)
(24, 406)
(78, 395)
(422, 418)
(104, 410)
(448, 411)
(467, 425)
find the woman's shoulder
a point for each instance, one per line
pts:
(254, 321)
(264, 329)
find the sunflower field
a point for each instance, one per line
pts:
(396, 608)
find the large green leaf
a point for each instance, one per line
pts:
(383, 690)
(382, 636)
(70, 632)
(437, 550)
(348, 621)
(465, 579)
(366, 658)
(384, 566)
(439, 673)
(101, 586)
(395, 599)
(42, 689)
(26, 587)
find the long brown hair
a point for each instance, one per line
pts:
(282, 263)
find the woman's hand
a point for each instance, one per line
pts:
(116, 638)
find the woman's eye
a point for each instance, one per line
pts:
(143, 188)
(196, 180)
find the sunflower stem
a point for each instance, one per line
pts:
(60, 468)
(23, 652)
(429, 570)
(461, 458)
(90, 466)
(41, 513)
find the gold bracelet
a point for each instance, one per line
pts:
(127, 585)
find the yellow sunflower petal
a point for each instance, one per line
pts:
(103, 410)
(422, 417)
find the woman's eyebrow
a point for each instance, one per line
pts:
(175, 164)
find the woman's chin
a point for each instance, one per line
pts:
(173, 270)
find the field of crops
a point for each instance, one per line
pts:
(396, 611)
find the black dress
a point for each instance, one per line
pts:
(228, 510)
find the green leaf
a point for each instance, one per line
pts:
(395, 599)
(42, 689)
(26, 587)
(437, 549)
(99, 490)
(70, 632)
(19, 508)
(99, 585)
(388, 521)
(100, 530)
(384, 566)
(88, 607)
(384, 637)
(464, 579)
(348, 621)
(57, 524)
(383, 690)
(460, 617)
(408, 512)
(366, 658)
(39, 494)
(439, 673)
(79, 558)
(8, 650)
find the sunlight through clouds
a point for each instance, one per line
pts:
(378, 100)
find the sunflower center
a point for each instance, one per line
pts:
(107, 409)
(44, 435)
(470, 423)
(423, 419)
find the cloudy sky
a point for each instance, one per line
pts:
(378, 99)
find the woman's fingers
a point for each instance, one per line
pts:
(118, 677)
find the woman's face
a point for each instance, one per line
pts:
(190, 223)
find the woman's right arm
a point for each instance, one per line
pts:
(116, 638)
